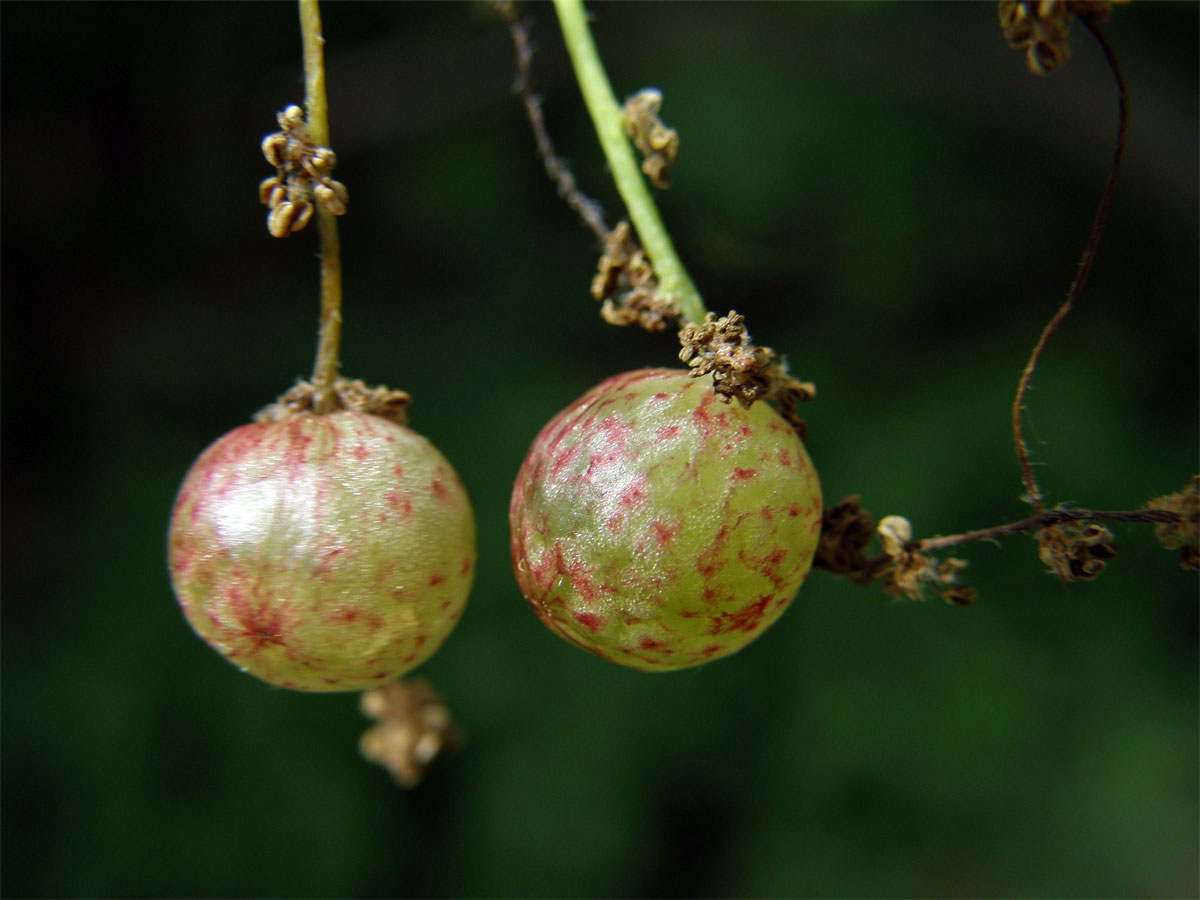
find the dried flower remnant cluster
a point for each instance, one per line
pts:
(1184, 533)
(1039, 28)
(413, 726)
(658, 144)
(625, 284)
(301, 179)
(741, 369)
(902, 569)
(846, 529)
(354, 395)
(1072, 550)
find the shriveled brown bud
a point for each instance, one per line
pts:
(330, 198)
(287, 217)
(305, 213)
(266, 187)
(291, 118)
(324, 158)
(274, 148)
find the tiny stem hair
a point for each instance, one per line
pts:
(325, 368)
(673, 279)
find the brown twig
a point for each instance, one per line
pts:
(585, 207)
(1085, 265)
(1051, 517)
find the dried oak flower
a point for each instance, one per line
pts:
(414, 726)
(354, 395)
(911, 572)
(1039, 28)
(302, 180)
(721, 346)
(626, 285)
(846, 529)
(1072, 551)
(1184, 533)
(658, 144)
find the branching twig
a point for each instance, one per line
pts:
(1085, 265)
(587, 209)
(1051, 517)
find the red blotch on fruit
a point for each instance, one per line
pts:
(740, 474)
(666, 432)
(438, 487)
(590, 621)
(634, 494)
(662, 533)
(436, 578)
(325, 566)
(708, 562)
(400, 503)
(649, 643)
(745, 619)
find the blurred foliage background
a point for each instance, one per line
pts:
(893, 201)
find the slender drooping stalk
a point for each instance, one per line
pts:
(1032, 490)
(325, 369)
(673, 279)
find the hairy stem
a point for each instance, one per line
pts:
(1085, 264)
(325, 368)
(673, 279)
(1041, 521)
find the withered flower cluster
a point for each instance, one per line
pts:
(1039, 28)
(846, 529)
(354, 395)
(1072, 550)
(1184, 533)
(626, 285)
(658, 144)
(413, 727)
(302, 176)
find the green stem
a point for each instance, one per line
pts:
(673, 279)
(325, 368)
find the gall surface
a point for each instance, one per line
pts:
(322, 553)
(659, 527)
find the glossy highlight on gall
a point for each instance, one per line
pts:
(659, 527)
(322, 552)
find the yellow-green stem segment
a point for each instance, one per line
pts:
(325, 369)
(673, 279)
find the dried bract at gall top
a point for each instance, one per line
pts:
(660, 528)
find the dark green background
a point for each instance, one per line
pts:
(893, 201)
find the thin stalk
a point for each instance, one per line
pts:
(325, 368)
(1032, 489)
(1051, 517)
(673, 279)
